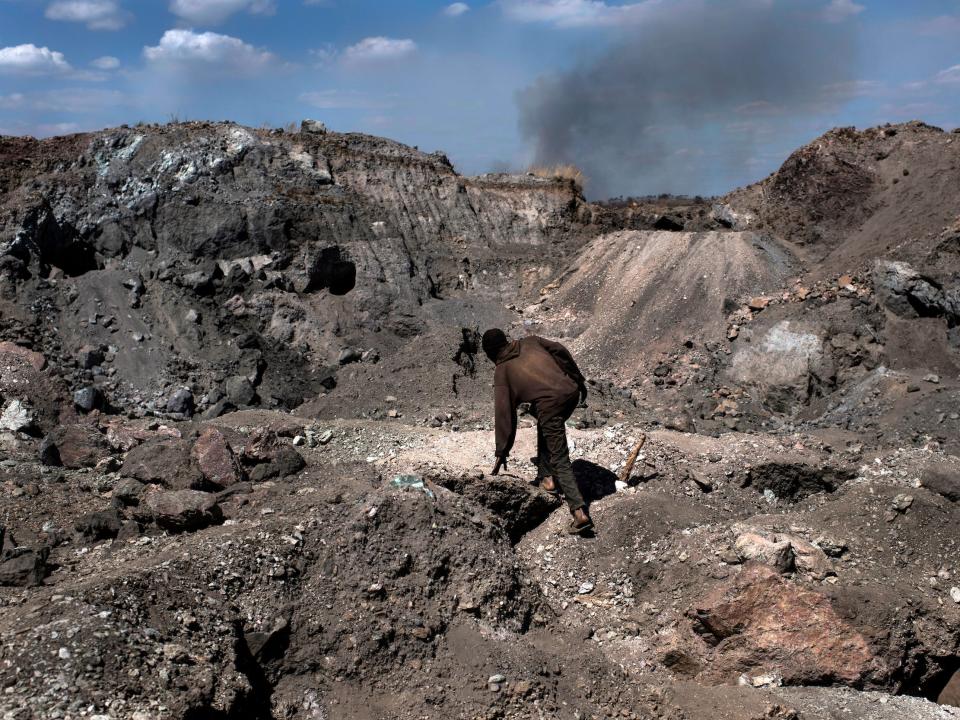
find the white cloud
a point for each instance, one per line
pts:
(107, 62)
(324, 55)
(214, 12)
(343, 100)
(840, 10)
(378, 49)
(96, 14)
(576, 13)
(950, 76)
(210, 50)
(456, 9)
(32, 60)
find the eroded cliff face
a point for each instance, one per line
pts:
(198, 251)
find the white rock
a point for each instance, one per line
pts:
(16, 417)
(585, 588)
(754, 546)
(955, 594)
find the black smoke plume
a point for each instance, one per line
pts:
(685, 96)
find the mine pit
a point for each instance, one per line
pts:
(794, 482)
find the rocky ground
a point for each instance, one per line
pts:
(245, 438)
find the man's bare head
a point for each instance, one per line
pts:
(494, 340)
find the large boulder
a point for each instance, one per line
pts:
(950, 695)
(99, 525)
(783, 364)
(784, 553)
(181, 510)
(24, 567)
(909, 294)
(759, 622)
(75, 446)
(239, 391)
(181, 402)
(775, 553)
(213, 457)
(943, 481)
(164, 462)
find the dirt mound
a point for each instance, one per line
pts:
(850, 195)
(655, 290)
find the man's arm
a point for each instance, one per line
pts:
(566, 362)
(505, 415)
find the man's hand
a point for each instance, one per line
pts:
(501, 462)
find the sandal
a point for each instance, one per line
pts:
(575, 529)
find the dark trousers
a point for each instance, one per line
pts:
(553, 453)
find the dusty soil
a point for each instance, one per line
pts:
(246, 435)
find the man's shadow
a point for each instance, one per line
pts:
(594, 481)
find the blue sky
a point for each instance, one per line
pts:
(499, 84)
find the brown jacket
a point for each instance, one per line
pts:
(532, 370)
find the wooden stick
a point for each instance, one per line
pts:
(628, 468)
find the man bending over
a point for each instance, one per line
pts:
(543, 373)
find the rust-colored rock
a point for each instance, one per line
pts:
(80, 445)
(164, 462)
(215, 459)
(124, 435)
(182, 510)
(10, 353)
(761, 622)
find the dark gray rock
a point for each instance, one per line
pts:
(88, 399)
(239, 391)
(349, 355)
(99, 525)
(943, 481)
(128, 491)
(181, 402)
(221, 407)
(910, 294)
(286, 462)
(24, 567)
(49, 453)
(89, 357)
(313, 127)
